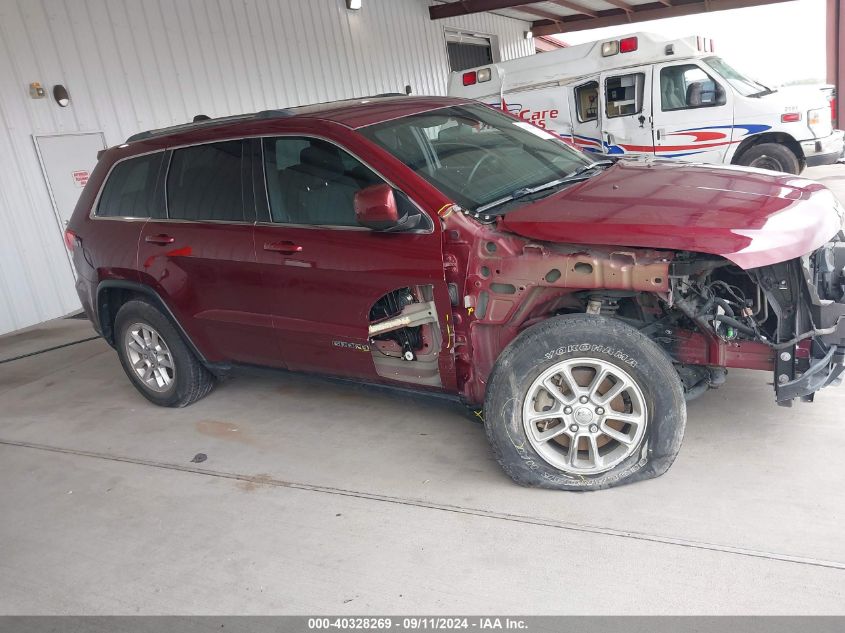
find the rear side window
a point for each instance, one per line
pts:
(624, 95)
(129, 191)
(205, 182)
(587, 101)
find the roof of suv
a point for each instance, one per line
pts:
(353, 113)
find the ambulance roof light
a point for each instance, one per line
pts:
(628, 45)
(609, 48)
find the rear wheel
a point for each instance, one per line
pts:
(156, 358)
(583, 403)
(772, 156)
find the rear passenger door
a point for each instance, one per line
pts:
(200, 257)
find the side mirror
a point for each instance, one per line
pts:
(376, 208)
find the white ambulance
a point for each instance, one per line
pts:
(646, 95)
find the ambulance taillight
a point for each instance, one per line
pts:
(472, 77)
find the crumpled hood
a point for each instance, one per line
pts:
(749, 216)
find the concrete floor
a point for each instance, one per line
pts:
(319, 497)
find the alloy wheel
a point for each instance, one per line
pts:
(150, 357)
(585, 416)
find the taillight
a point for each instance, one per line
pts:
(833, 110)
(790, 117)
(70, 239)
(470, 78)
(628, 45)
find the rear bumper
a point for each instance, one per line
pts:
(824, 151)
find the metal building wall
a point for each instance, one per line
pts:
(131, 65)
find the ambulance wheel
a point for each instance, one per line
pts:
(771, 156)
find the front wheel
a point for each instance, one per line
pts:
(584, 402)
(771, 156)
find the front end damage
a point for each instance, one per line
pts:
(788, 317)
(707, 313)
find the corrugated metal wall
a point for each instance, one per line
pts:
(131, 65)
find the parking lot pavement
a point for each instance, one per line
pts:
(325, 497)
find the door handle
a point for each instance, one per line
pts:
(659, 133)
(282, 247)
(160, 239)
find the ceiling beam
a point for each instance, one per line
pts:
(621, 4)
(554, 17)
(465, 7)
(641, 13)
(575, 7)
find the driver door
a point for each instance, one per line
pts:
(323, 272)
(626, 112)
(693, 113)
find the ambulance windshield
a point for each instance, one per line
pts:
(476, 155)
(742, 84)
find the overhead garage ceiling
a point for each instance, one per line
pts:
(560, 16)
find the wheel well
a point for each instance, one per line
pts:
(109, 301)
(112, 294)
(780, 138)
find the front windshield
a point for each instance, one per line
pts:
(475, 154)
(742, 84)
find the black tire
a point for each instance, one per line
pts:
(595, 339)
(771, 156)
(191, 380)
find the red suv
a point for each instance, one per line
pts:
(442, 245)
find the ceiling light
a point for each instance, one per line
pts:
(353, 5)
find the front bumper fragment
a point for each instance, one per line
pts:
(823, 372)
(824, 151)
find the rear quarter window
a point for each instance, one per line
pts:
(129, 191)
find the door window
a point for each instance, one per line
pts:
(130, 188)
(205, 182)
(624, 95)
(687, 86)
(587, 101)
(313, 182)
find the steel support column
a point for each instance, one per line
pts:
(836, 55)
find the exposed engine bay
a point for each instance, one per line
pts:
(794, 308)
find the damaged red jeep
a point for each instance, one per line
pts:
(442, 245)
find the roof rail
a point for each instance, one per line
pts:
(194, 125)
(263, 114)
